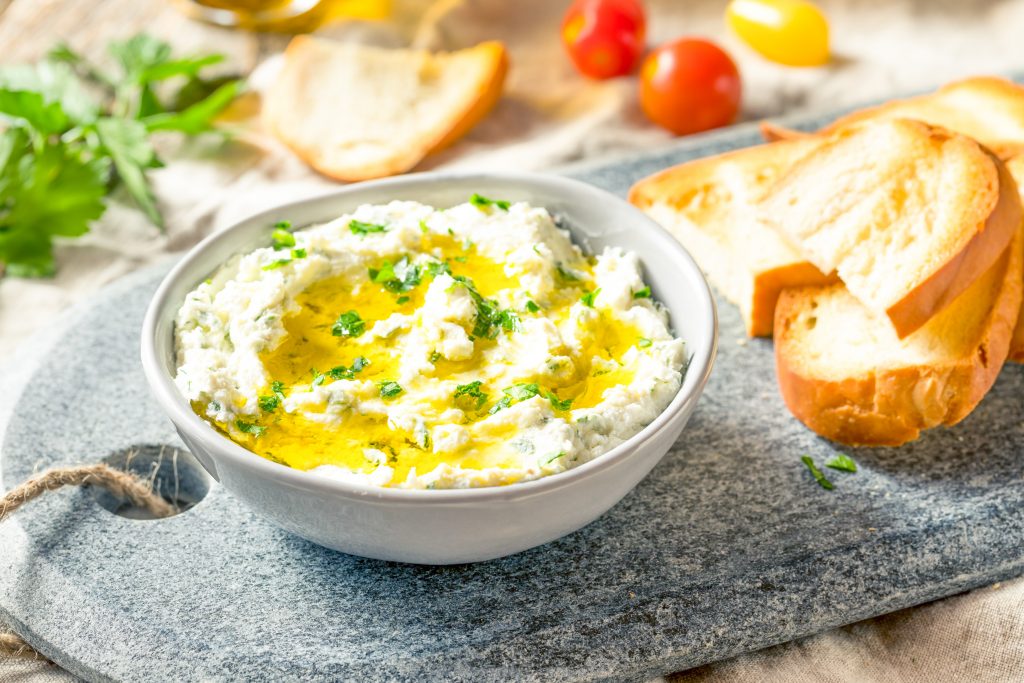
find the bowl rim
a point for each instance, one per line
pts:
(184, 418)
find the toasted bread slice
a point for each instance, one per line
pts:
(708, 205)
(355, 112)
(907, 214)
(844, 373)
(1016, 167)
(988, 109)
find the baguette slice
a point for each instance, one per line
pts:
(708, 205)
(844, 373)
(1016, 168)
(906, 214)
(988, 109)
(355, 112)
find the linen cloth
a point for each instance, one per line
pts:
(551, 116)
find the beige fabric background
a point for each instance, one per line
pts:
(550, 117)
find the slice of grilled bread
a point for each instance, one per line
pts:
(355, 112)
(988, 109)
(1016, 167)
(708, 205)
(844, 373)
(908, 215)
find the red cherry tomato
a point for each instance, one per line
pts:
(604, 38)
(690, 85)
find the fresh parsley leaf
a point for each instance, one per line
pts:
(531, 307)
(473, 392)
(348, 324)
(490, 319)
(277, 388)
(556, 456)
(643, 342)
(515, 394)
(390, 389)
(318, 377)
(269, 403)
(642, 293)
(31, 109)
(45, 192)
(274, 265)
(282, 239)
(816, 473)
(398, 277)
(842, 462)
(250, 428)
(435, 268)
(283, 225)
(197, 118)
(557, 403)
(342, 372)
(481, 202)
(588, 297)
(402, 300)
(364, 229)
(128, 146)
(435, 356)
(299, 253)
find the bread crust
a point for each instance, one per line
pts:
(476, 104)
(675, 186)
(890, 406)
(939, 290)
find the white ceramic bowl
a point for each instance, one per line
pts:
(444, 526)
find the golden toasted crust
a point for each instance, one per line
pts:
(311, 64)
(889, 406)
(973, 106)
(969, 241)
(990, 240)
(706, 204)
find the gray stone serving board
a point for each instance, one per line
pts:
(728, 546)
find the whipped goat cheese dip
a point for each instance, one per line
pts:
(413, 347)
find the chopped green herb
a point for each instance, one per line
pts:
(274, 265)
(364, 229)
(557, 403)
(390, 389)
(531, 307)
(348, 324)
(343, 372)
(644, 293)
(588, 297)
(489, 318)
(299, 253)
(402, 300)
(423, 227)
(461, 259)
(396, 277)
(435, 268)
(435, 356)
(282, 239)
(816, 473)
(481, 202)
(556, 456)
(277, 387)
(250, 428)
(643, 342)
(214, 406)
(471, 391)
(514, 394)
(565, 274)
(269, 403)
(842, 462)
(318, 377)
(283, 225)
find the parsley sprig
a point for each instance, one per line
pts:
(74, 132)
(490, 319)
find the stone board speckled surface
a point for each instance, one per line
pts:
(728, 546)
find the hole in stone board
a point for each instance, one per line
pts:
(174, 473)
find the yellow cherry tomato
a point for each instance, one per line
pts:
(790, 32)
